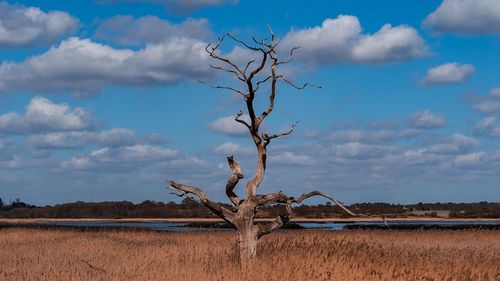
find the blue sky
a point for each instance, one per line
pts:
(99, 99)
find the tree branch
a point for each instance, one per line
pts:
(223, 88)
(217, 208)
(327, 196)
(237, 119)
(257, 85)
(212, 52)
(272, 96)
(233, 180)
(291, 56)
(248, 65)
(274, 225)
(267, 138)
(243, 43)
(281, 198)
(298, 87)
(228, 71)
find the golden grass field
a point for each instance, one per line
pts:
(29, 254)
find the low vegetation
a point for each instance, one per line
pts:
(191, 209)
(31, 254)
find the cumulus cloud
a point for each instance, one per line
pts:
(42, 115)
(488, 127)
(418, 156)
(470, 159)
(472, 17)
(449, 73)
(427, 120)
(82, 66)
(362, 136)
(458, 144)
(341, 40)
(230, 148)
(22, 26)
(361, 151)
(228, 126)
(120, 158)
(290, 158)
(14, 162)
(115, 137)
(178, 6)
(127, 30)
(489, 104)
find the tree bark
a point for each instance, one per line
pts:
(247, 231)
(248, 244)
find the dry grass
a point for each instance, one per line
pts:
(288, 255)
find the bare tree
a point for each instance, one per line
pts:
(242, 214)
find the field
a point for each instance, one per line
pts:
(30, 254)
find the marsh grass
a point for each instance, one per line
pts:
(30, 254)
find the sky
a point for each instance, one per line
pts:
(101, 100)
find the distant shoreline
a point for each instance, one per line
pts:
(297, 220)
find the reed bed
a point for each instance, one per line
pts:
(31, 254)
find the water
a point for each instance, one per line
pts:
(185, 226)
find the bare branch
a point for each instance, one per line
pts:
(260, 67)
(327, 196)
(229, 71)
(281, 198)
(243, 43)
(298, 87)
(291, 56)
(257, 85)
(212, 52)
(216, 208)
(271, 31)
(233, 180)
(223, 88)
(237, 119)
(248, 64)
(267, 138)
(274, 225)
(272, 96)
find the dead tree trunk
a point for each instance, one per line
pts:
(242, 215)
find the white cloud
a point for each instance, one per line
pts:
(418, 156)
(341, 40)
(82, 66)
(489, 104)
(362, 136)
(113, 138)
(472, 17)
(178, 6)
(120, 158)
(361, 151)
(467, 160)
(127, 30)
(495, 92)
(230, 148)
(427, 120)
(290, 158)
(227, 125)
(42, 115)
(487, 127)
(458, 144)
(4, 143)
(22, 26)
(14, 162)
(449, 73)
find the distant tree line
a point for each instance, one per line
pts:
(191, 209)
